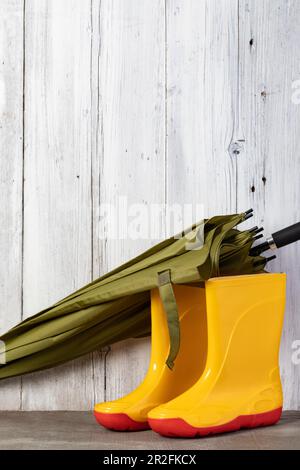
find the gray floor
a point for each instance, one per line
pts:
(78, 430)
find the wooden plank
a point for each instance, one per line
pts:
(78, 430)
(99, 266)
(130, 148)
(11, 168)
(269, 167)
(202, 81)
(58, 210)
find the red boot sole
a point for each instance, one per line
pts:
(176, 427)
(120, 422)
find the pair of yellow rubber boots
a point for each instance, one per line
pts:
(226, 375)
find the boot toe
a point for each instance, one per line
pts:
(113, 415)
(162, 412)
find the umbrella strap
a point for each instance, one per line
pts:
(170, 306)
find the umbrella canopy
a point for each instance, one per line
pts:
(117, 305)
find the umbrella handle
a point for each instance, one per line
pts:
(287, 235)
(278, 239)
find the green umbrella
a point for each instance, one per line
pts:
(116, 306)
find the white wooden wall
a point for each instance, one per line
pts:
(158, 100)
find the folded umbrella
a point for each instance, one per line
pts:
(117, 305)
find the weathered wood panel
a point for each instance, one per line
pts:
(131, 139)
(57, 192)
(202, 66)
(269, 165)
(11, 179)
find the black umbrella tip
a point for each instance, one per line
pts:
(258, 249)
(258, 237)
(258, 230)
(270, 258)
(249, 211)
(248, 216)
(263, 262)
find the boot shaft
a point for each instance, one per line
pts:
(245, 317)
(191, 359)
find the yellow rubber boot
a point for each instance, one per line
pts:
(240, 386)
(162, 384)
